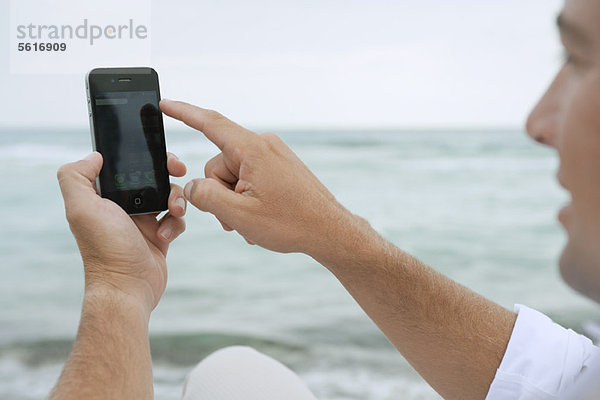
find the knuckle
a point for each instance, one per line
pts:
(69, 171)
(209, 167)
(201, 192)
(63, 171)
(176, 191)
(271, 137)
(211, 119)
(237, 152)
(214, 116)
(272, 142)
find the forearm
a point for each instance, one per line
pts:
(452, 336)
(111, 356)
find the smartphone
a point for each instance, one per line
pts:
(127, 129)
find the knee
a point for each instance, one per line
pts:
(228, 365)
(232, 355)
(240, 372)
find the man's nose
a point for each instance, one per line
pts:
(541, 127)
(544, 120)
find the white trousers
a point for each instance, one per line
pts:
(242, 373)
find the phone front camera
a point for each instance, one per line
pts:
(112, 80)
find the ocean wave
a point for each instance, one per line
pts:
(176, 349)
(330, 374)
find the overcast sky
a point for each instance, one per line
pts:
(327, 63)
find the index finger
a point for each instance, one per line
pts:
(216, 127)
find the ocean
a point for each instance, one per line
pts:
(478, 205)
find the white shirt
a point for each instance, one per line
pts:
(545, 361)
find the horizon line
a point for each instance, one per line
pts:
(307, 128)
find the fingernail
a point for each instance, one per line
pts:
(180, 202)
(187, 191)
(166, 233)
(90, 156)
(166, 100)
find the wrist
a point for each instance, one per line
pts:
(347, 240)
(101, 297)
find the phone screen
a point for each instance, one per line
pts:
(128, 127)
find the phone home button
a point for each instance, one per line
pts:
(138, 200)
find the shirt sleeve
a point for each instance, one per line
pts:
(542, 361)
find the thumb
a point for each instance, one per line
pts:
(80, 175)
(211, 196)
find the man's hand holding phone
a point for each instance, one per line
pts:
(120, 253)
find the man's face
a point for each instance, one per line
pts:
(568, 119)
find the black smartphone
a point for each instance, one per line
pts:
(127, 129)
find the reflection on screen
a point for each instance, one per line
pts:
(128, 126)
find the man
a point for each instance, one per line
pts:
(464, 345)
